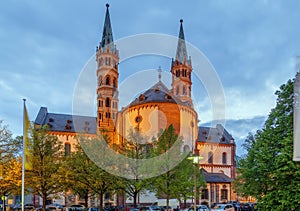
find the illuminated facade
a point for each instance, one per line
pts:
(153, 110)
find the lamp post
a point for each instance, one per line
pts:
(195, 158)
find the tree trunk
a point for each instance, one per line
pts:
(86, 198)
(134, 200)
(101, 201)
(44, 202)
(167, 199)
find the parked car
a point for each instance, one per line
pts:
(164, 208)
(133, 209)
(41, 209)
(223, 207)
(55, 207)
(237, 206)
(198, 208)
(93, 209)
(245, 207)
(76, 207)
(155, 208)
(144, 208)
(29, 207)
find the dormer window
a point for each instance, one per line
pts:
(168, 97)
(142, 97)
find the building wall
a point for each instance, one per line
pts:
(157, 116)
(217, 151)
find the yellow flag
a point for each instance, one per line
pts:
(27, 155)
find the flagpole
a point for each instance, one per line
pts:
(23, 159)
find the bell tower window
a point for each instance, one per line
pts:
(184, 90)
(115, 82)
(107, 102)
(100, 80)
(107, 81)
(101, 62)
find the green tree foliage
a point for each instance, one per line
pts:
(85, 178)
(47, 156)
(184, 180)
(268, 172)
(137, 148)
(176, 182)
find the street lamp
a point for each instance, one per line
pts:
(195, 158)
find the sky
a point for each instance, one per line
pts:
(46, 44)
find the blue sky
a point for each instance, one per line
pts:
(45, 45)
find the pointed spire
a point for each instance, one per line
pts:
(107, 36)
(181, 53)
(159, 73)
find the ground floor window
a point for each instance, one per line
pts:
(204, 194)
(224, 194)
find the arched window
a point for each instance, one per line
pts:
(210, 157)
(177, 90)
(184, 90)
(115, 82)
(107, 102)
(177, 73)
(224, 157)
(100, 80)
(101, 62)
(224, 194)
(67, 149)
(107, 80)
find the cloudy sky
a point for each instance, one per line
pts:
(45, 45)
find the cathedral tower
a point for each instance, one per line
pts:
(107, 58)
(181, 69)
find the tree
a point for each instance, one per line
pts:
(184, 180)
(176, 181)
(136, 148)
(84, 177)
(47, 157)
(268, 172)
(10, 162)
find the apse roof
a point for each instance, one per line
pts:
(157, 93)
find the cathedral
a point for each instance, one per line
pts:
(156, 108)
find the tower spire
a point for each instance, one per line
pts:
(181, 70)
(181, 53)
(107, 57)
(107, 36)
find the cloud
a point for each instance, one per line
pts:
(240, 128)
(45, 44)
